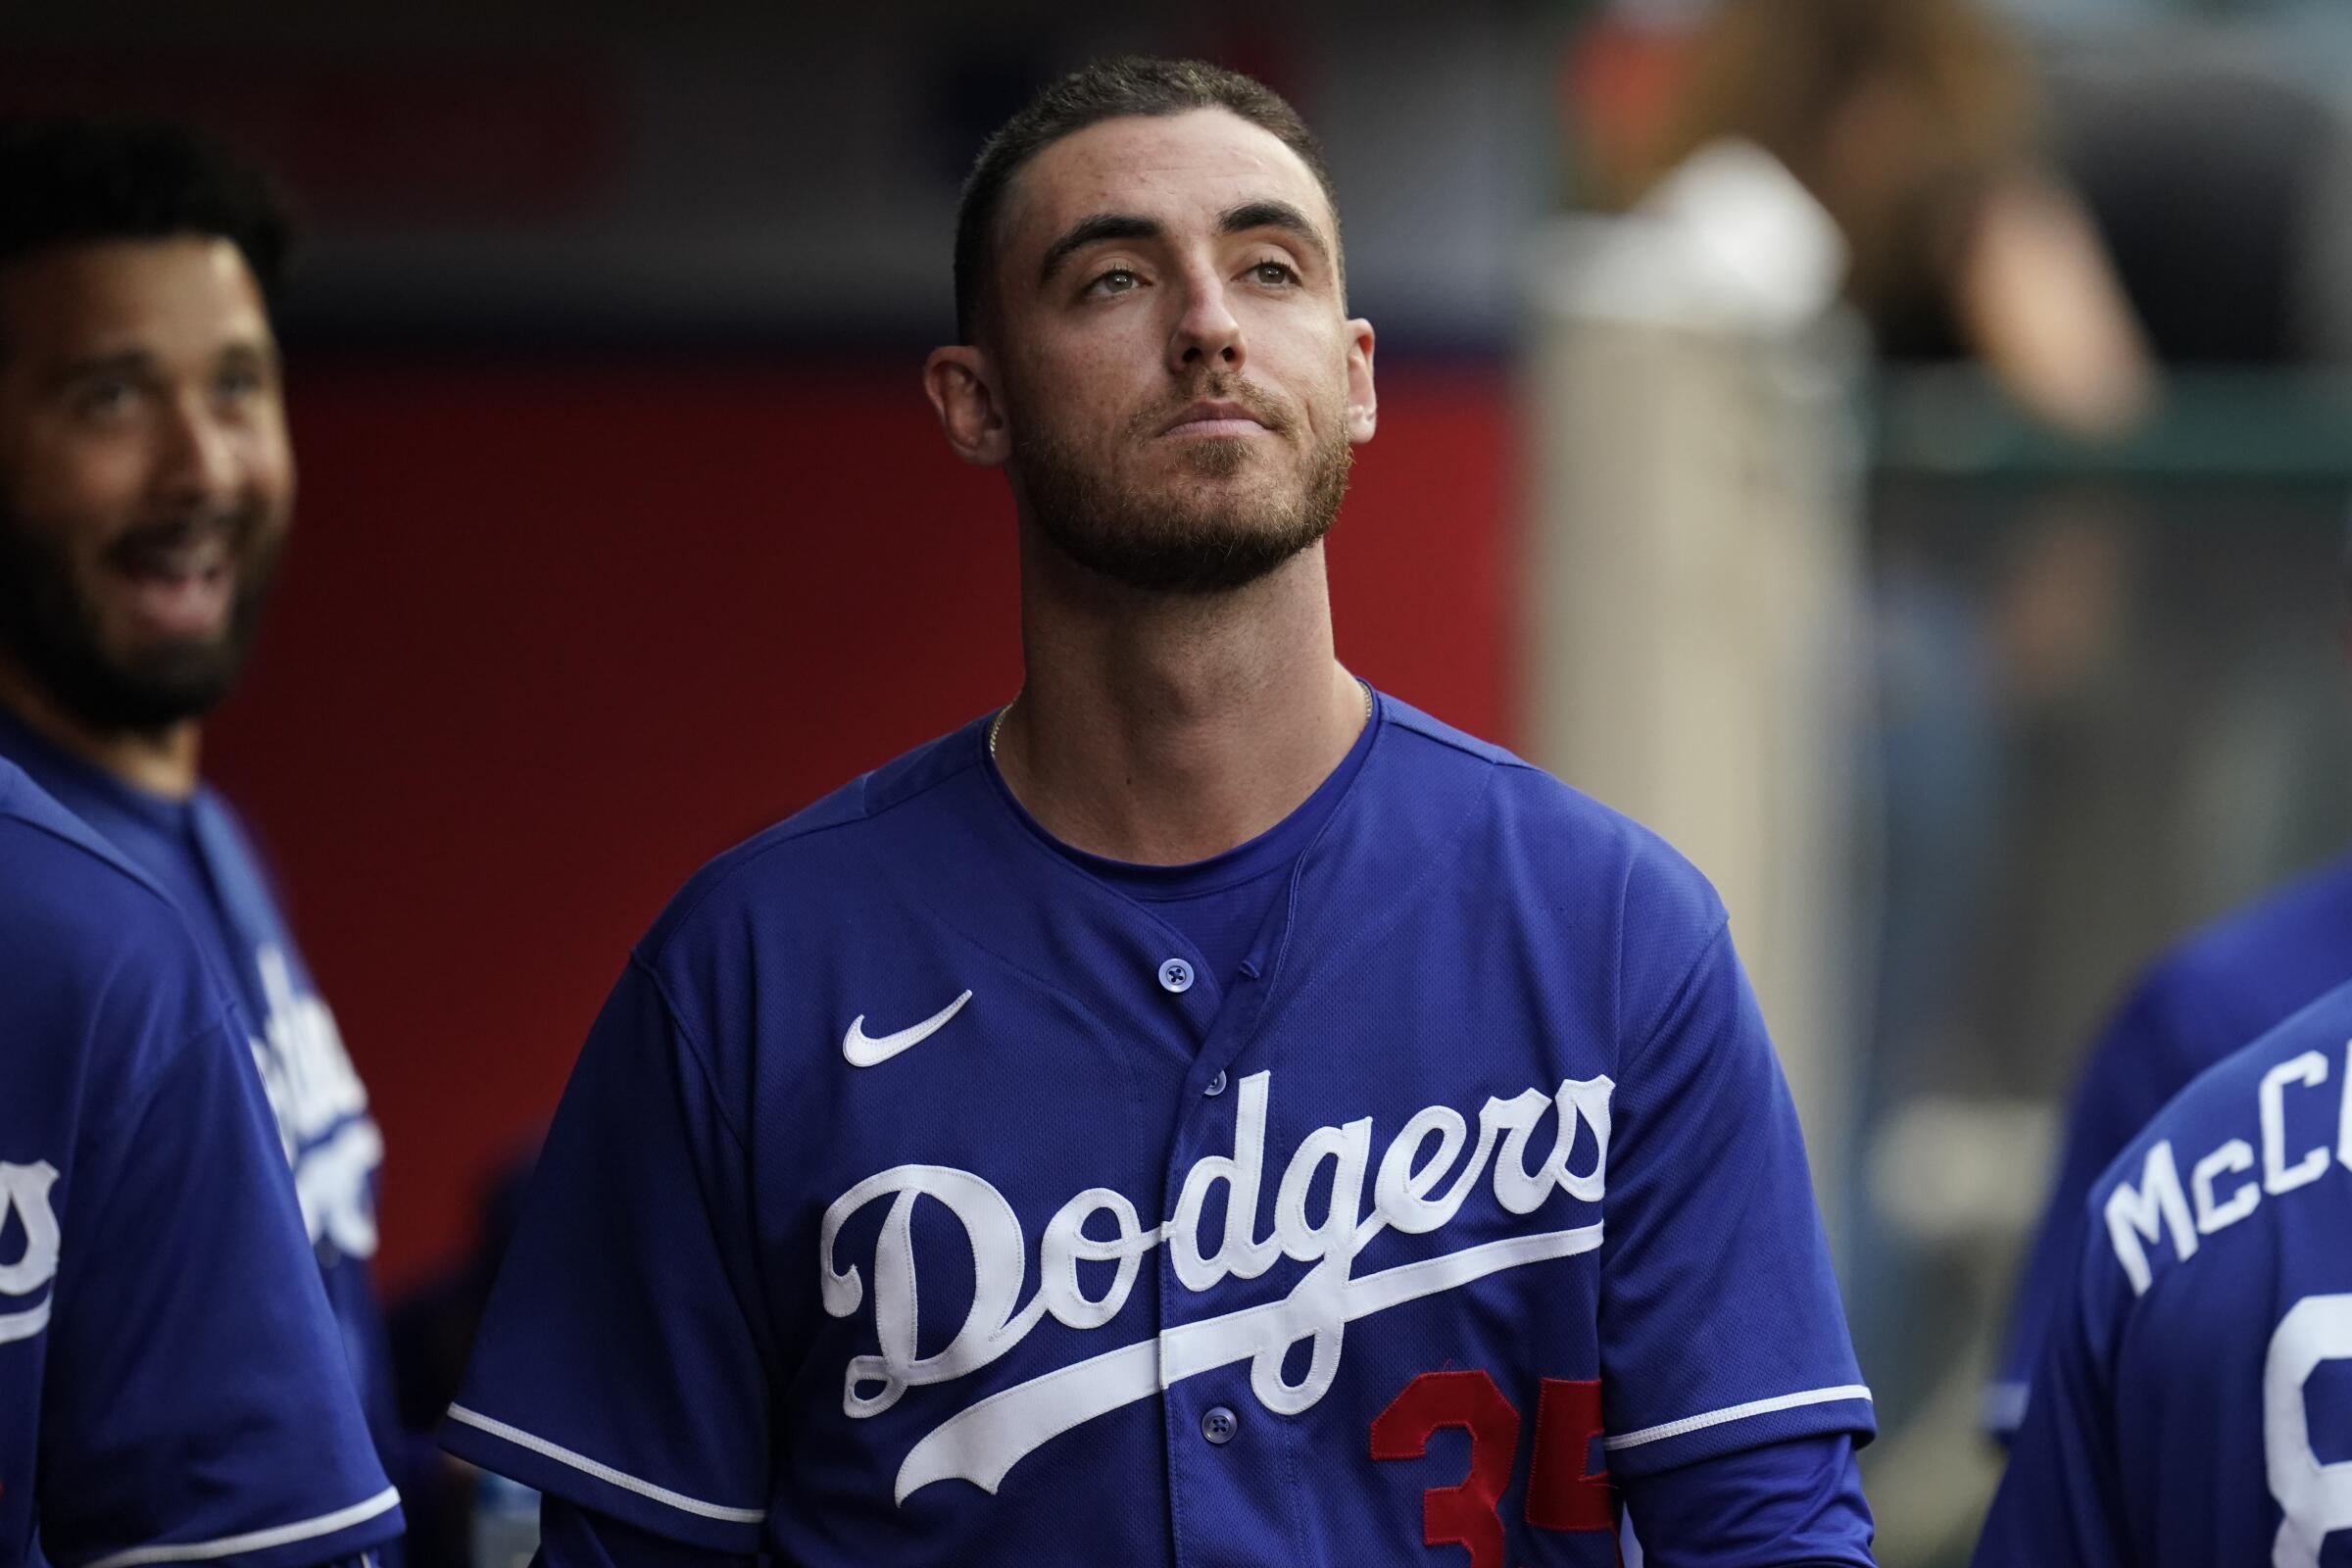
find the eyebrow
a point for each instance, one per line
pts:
(1100, 227)
(1275, 215)
(143, 361)
(123, 362)
(1093, 230)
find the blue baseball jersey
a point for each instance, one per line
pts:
(919, 1197)
(2194, 1402)
(198, 852)
(2205, 998)
(172, 1384)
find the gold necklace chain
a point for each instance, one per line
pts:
(995, 725)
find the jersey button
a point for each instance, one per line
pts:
(1216, 1086)
(1176, 977)
(1218, 1424)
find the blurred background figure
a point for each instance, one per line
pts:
(2118, 225)
(1980, 699)
(1915, 127)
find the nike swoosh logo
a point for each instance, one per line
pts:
(861, 1050)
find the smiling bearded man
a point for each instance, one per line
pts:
(1129, 1129)
(132, 621)
(146, 489)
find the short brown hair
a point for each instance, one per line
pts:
(1108, 89)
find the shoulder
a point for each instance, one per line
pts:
(94, 952)
(885, 816)
(1530, 825)
(2226, 981)
(2227, 1094)
(67, 881)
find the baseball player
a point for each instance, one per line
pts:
(145, 487)
(2209, 996)
(172, 1384)
(2193, 1400)
(1206, 1111)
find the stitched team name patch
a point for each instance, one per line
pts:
(984, 1441)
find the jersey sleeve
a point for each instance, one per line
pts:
(2060, 1499)
(2137, 1066)
(198, 1402)
(621, 1366)
(1721, 1327)
(1798, 1501)
(572, 1537)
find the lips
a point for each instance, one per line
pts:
(1214, 418)
(176, 580)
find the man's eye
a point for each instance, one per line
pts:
(1118, 281)
(1274, 274)
(106, 399)
(242, 382)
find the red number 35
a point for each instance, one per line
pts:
(1561, 1494)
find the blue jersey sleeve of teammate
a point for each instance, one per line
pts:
(2060, 1499)
(638, 1167)
(2136, 1064)
(161, 1325)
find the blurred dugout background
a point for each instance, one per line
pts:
(624, 529)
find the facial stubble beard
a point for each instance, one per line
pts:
(52, 634)
(1153, 539)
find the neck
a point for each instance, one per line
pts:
(161, 761)
(1160, 729)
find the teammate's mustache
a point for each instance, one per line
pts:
(1214, 387)
(145, 543)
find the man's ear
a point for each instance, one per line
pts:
(961, 385)
(1363, 408)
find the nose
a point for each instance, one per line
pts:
(1206, 333)
(197, 462)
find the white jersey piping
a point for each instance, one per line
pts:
(326, 1524)
(1737, 1412)
(605, 1472)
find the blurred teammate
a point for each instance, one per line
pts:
(146, 486)
(1204, 1113)
(2192, 1403)
(2219, 989)
(172, 1387)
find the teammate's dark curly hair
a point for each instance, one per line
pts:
(77, 180)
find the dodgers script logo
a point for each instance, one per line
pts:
(24, 1199)
(985, 1441)
(321, 1109)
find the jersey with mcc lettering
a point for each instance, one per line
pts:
(172, 1388)
(2209, 996)
(2193, 1405)
(919, 1197)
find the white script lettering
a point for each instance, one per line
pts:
(984, 1441)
